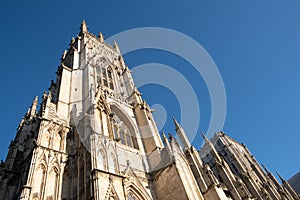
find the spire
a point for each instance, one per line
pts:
(211, 146)
(164, 137)
(35, 101)
(205, 138)
(116, 46)
(101, 37)
(182, 136)
(266, 170)
(121, 59)
(63, 56)
(166, 141)
(83, 28)
(72, 41)
(34, 106)
(282, 179)
(177, 126)
(288, 187)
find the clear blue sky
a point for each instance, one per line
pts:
(255, 45)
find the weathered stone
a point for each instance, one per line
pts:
(94, 137)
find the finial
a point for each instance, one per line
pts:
(63, 56)
(72, 41)
(163, 135)
(282, 179)
(34, 105)
(182, 135)
(116, 46)
(44, 95)
(50, 95)
(83, 27)
(121, 59)
(177, 126)
(264, 167)
(165, 138)
(205, 138)
(35, 101)
(101, 37)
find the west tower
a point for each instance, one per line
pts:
(91, 133)
(93, 137)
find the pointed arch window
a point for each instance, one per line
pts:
(101, 160)
(52, 184)
(123, 129)
(110, 79)
(105, 76)
(122, 134)
(114, 165)
(39, 182)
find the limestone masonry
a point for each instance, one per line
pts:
(93, 137)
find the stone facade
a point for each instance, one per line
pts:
(94, 137)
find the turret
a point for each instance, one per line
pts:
(83, 28)
(63, 56)
(34, 106)
(182, 136)
(116, 46)
(32, 110)
(101, 37)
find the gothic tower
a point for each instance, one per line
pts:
(94, 137)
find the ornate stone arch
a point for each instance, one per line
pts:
(136, 193)
(113, 163)
(116, 109)
(111, 193)
(55, 163)
(101, 159)
(110, 77)
(134, 186)
(104, 73)
(45, 138)
(52, 183)
(123, 126)
(43, 159)
(57, 140)
(39, 181)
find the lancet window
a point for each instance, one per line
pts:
(105, 76)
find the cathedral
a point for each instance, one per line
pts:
(91, 136)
